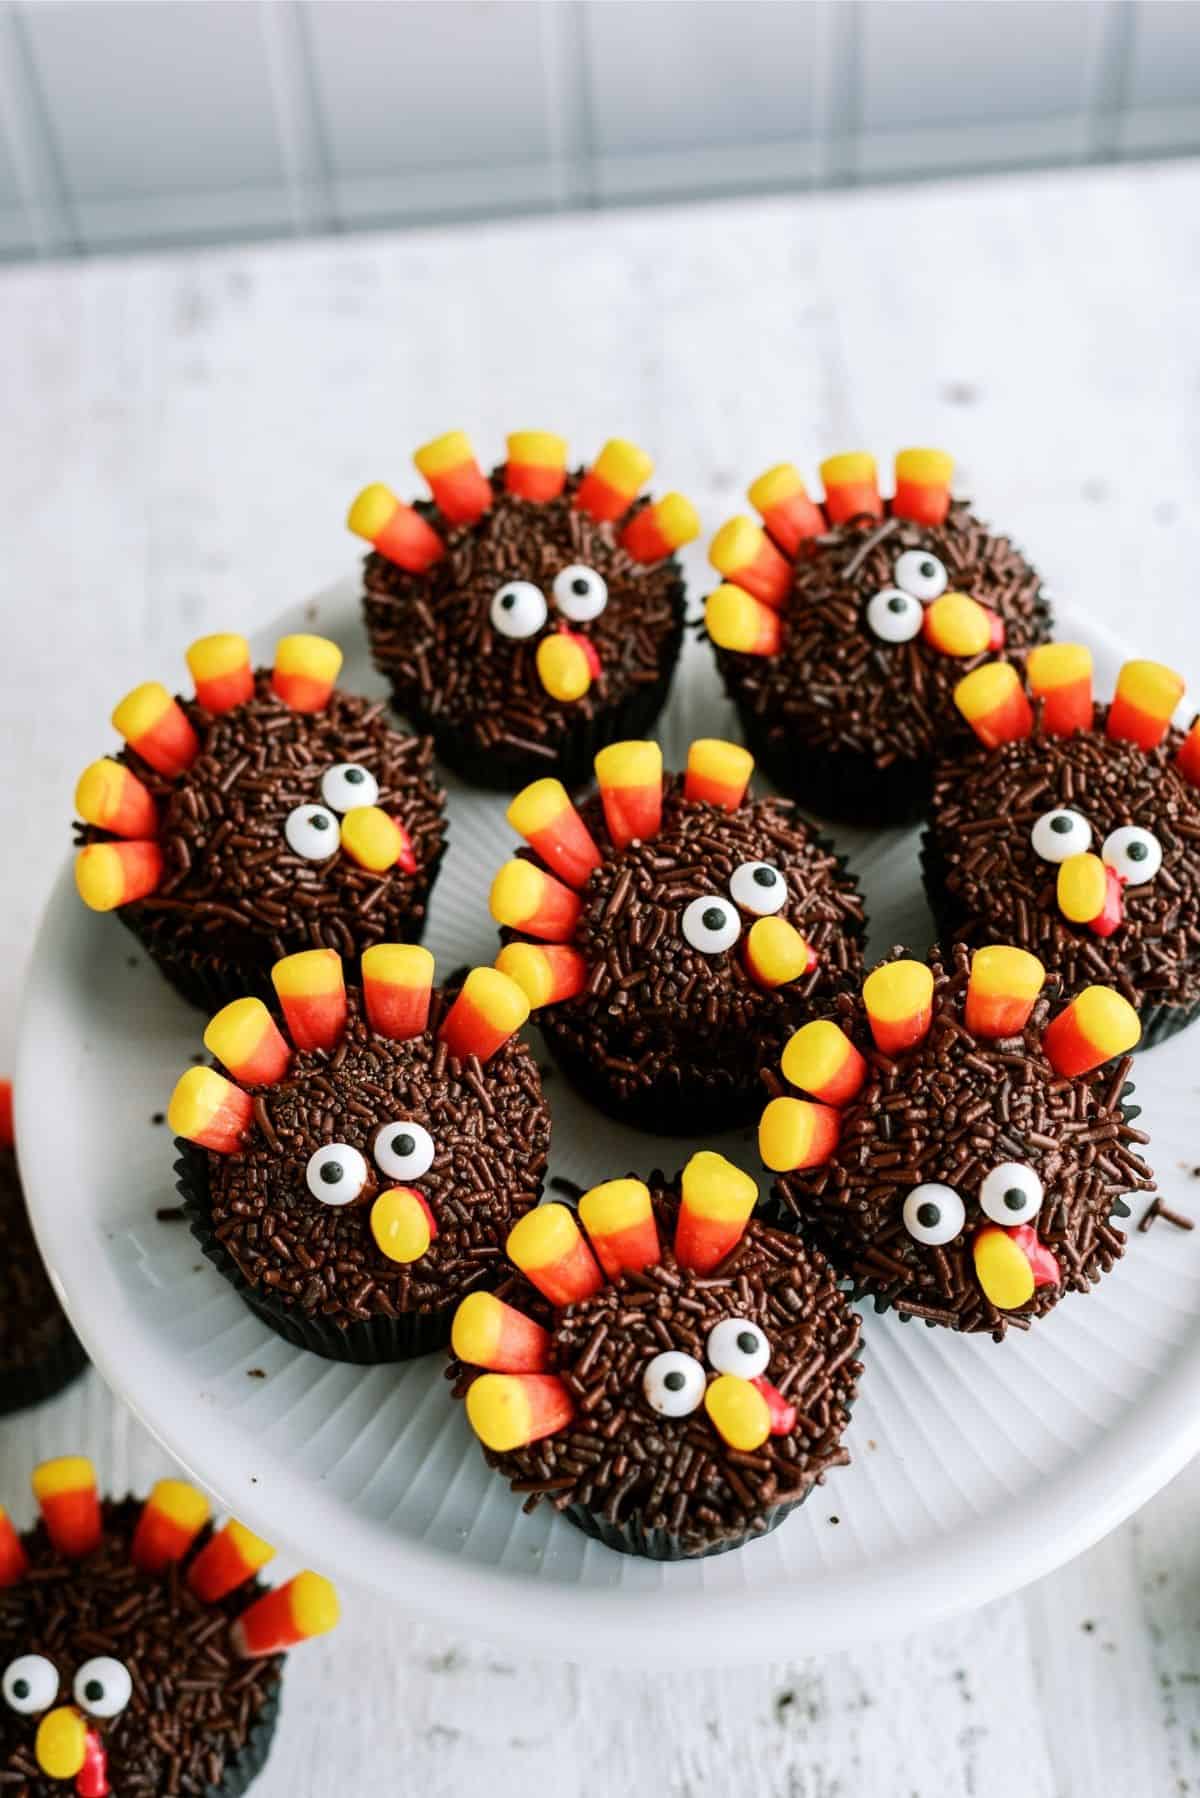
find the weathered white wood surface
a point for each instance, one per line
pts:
(182, 435)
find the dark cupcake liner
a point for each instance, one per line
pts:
(244, 1765)
(634, 1538)
(22, 1386)
(840, 784)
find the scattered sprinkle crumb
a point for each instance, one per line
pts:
(1157, 1209)
(158, 1117)
(169, 1214)
(835, 1520)
(198, 1058)
(783, 1703)
(1088, 1626)
(960, 393)
(256, 1373)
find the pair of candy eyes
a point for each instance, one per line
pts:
(896, 613)
(711, 924)
(1011, 1194)
(675, 1383)
(312, 830)
(1133, 853)
(337, 1173)
(519, 608)
(102, 1686)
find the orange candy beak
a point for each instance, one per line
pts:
(657, 531)
(222, 671)
(461, 491)
(1002, 989)
(851, 487)
(1090, 893)
(614, 480)
(526, 898)
(227, 1561)
(715, 1206)
(547, 973)
(312, 993)
(397, 983)
(550, 1251)
(957, 625)
(794, 1134)
(1096, 1026)
(306, 1607)
(923, 478)
(537, 465)
(69, 1501)
(510, 1410)
(1060, 675)
(619, 1219)
(246, 1040)
(156, 727)
(777, 954)
(488, 1333)
(210, 1111)
(544, 815)
(172, 1517)
(109, 875)
(742, 552)
(397, 531)
(488, 1011)
(630, 777)
(112, 798)
(717, 773)
(14, 1563)
(1146, 696)
(820, 1059)
(781, 499)
(736, 621)
(305, 670)
(993, 702)
(899, 1004)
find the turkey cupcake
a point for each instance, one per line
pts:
(353, 1183)
(39, 1351)
(271, 813)
(528, 617)
(672, 933)
(674, 1381)
(141, 1656)
(1073, 829)
(959, 1153)
(841, 629)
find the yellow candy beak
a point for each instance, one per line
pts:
(61, 1743)
(738, 1412)
(1002, 1269)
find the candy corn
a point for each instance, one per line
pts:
(1097, 1025)
(1188, 759)
(109, 875)
(923, 479)
(993, 702)
(306, 1607)
(526, 898)
(738, 1412)
(898, 998)
(537, 464)
(1001, 1268)
(657, 531)
(547, 973)
(305, 670)
(397, 531)
(461, 491)
(1001, 990)
(630, 777)
(210, 1111)
(1146, 695)
(795, 1134)
(735, 620)
(567, 664)
(245, 1038)
(614, 480)
(745, 555)
(112, 798)
(397, 981)
(550, 1251)
(957, 625)
(172, 1517)
(156, 727)
(717, 773)
(1060, 675)
(851, 487)
(781, 499)
(402, 1224)
(489, 1009)
(776, 953)
(821, 1060)
(222, 671)
(544, 815)
(313, 995)
(717, 1199)
(227, 1560)
(13, 1560)
(488, 1333)
(511, 1410)
(1090, 893)
(619, 1220)
(376, 841)
(66, 1493)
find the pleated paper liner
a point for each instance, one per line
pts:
(244, 1765)
(634, 1538)
(49, 1375)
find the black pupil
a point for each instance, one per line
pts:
(1014, 1198)
(765, 877)
(581, 585)
(331, 1172)
(508, 601)
(929, 569)
(928, 1215)
(355, 776)
(93, 1691)
(673, 1382)
(747, 1341)
(319, 821)
(896, 604)
(714, 918)
(403, 1145)
(1061, 825)
(20, 1688)
(1137, 852)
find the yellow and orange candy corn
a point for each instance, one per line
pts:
(1090, 893)
(619, 1219)
(548, 1247)
(305, 670)
(738, 1412)
(402, 1224)
(244, 1037)
(1060, 675)
(1095, 1026)
(735, 620)
(714, 1209)
(994, 703)
(567, 663)
(923, 479)
(510, 1410)
(488, 1333)
(543, 814)
(461, 491)
(537, 464)
(614, 480)
(157, 728)
(547, 973)
(109, 875)
(742, 552)
(957, 625)
(820, 1059)
(658, 530)
(312, 992)
(794, 1134)
(851, 487)
(222, 670)
(1002, 989)
(630, 779)
(781, 499)
(306, 1607)
(397, 531)
(227, 1560)
(210, 1111)
(172, 1517)
(489, 1009)
(1146, 696)
(110, 796)
(397, 980)
(376, 841)
(776, 953)
(14, 1563)
(1188, 759)
(69, 1501)
(718, 773)
(898, 999)
(526, 898)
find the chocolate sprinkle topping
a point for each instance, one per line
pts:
(32, 1325)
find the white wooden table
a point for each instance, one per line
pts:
(183, 434)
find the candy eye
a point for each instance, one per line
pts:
(1133, 853)
(711, 924)
(674, 1384)
(934, 1214)
(31, 1683)
(103, 1687)
(1056, 835)
(758, 887)
(580, 593)
(895, 616)
(735, 1345)
(519, 609)
(1011, 1193)
(348, 784)
(921, 574)
(403, 1150)
(336, 1174)
(312, 831)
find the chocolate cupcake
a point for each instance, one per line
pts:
(672, 1401)
(1074, 830)
(841, 629)
(960, 1154)
(354, 1185)
(39, 1351)
(528, 618)
(270, 814)
(141, 1655)
(681, 931)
